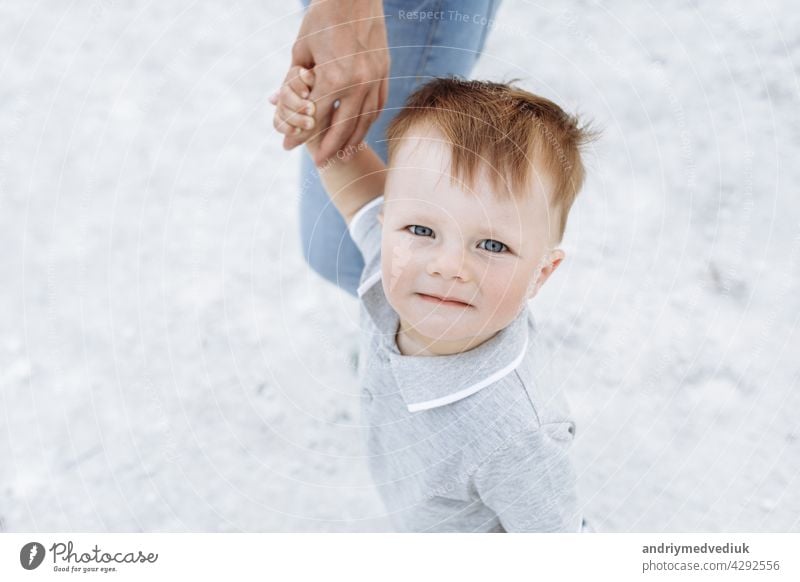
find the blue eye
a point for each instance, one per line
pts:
(420, 230)
(493, 246)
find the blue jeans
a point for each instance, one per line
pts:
(447, 42)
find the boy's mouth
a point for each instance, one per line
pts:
(443, 300)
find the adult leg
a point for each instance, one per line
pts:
(420, 48)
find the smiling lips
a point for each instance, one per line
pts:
(443, 300)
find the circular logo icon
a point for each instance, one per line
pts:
(31, 555)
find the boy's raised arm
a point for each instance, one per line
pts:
(353, 181)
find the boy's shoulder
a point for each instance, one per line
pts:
(531, 397)
(546, 393)
(527, 407)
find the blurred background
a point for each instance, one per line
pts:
(168, 362)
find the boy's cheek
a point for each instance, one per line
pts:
(396, 256)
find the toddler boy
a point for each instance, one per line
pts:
(465, 430)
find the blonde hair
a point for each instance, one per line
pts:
(504, 126)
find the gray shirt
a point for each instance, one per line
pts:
(470, 442)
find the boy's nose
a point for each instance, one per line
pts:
(449, 263)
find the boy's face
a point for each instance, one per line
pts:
(489, 253)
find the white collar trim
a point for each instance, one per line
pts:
(501, 373)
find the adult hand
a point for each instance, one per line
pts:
(345, 43)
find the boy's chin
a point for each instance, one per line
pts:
(440, 323)
(441, 329)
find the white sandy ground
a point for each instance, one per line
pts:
(169, 363)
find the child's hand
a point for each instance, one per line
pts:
(294, 113)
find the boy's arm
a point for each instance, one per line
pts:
(530, 483)
(354, 181)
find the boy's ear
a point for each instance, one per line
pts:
(547, 267)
